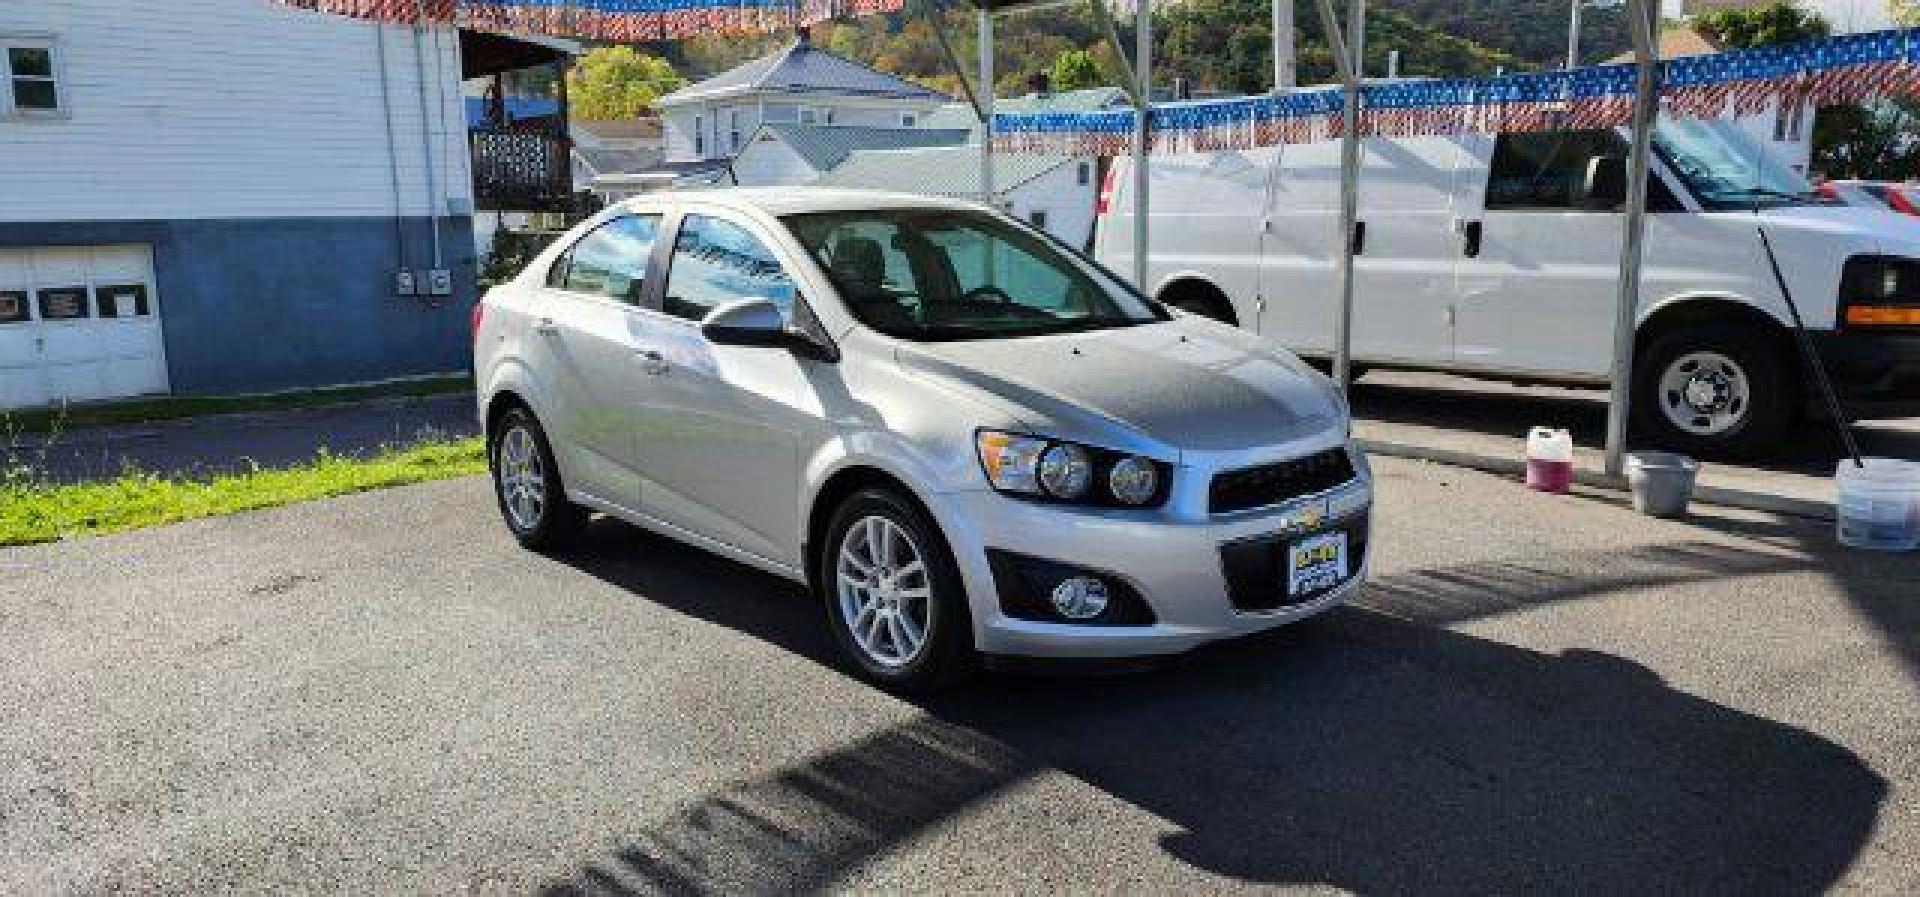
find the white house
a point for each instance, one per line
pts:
(222, 196)
(800, 84)
(1054, 193)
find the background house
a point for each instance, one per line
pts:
(1054, 193)
(790, 153)
(223, 196)
(799, 84)
(1784, 128)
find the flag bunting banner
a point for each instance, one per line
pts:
(1852, 68)
(607, 20)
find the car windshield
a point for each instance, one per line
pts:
(949, 274)
(1726, 169)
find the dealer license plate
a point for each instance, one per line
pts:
(1316, 564)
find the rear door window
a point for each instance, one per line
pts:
(611, 261)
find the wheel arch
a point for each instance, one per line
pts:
(1711, 308)
(848, 479)
(1192, 286)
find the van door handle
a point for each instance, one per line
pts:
(1359, 238)
(546, 327)
(652, 361)
(1472, 233)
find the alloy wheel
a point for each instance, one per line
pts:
(884, 592)
(522, 478)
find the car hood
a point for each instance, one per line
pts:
(1184, 385)
(1890, 230)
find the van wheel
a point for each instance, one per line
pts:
(1715, 390)
(1201, 299)
(526, 483)
(894, 598)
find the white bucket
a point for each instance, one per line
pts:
(1879, 504)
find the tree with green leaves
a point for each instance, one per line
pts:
(618, 82)
(1778, 22)
(1906, 12)
(1076, 70)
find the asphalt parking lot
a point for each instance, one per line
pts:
(381, 693)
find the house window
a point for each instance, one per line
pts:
(827, 115)
(32, 81)
(809, 115)
(733, 130)
(908, 120)
(1787, 125)
(700, 136)
(1038, 218)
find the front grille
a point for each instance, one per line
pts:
(1256, 569)
(1271, 484)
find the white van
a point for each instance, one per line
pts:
(1498, 256)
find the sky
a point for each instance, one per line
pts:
(1853, 15)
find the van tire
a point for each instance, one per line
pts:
(1200, 298)
(1743, 375)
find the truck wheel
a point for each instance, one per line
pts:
(1715, 390)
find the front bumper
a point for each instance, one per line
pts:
(1877, 374)
(1175, 565)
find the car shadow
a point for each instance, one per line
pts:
(1371, 749)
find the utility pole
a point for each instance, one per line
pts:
(1573, 35)
(1285, 65)
(1644, 21)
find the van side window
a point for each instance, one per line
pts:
(611, 261)
(716, 262)
(1547, 171)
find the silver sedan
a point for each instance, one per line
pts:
(971, 442)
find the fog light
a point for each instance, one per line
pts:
(1080, 598)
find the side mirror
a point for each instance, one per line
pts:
(758, 322)
(1606, 183)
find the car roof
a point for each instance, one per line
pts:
(794, 200)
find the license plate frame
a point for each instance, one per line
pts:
(1318, 563)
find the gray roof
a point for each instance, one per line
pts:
(803, 68)
(616, 161)
(937, 171)
(825, 146)
(960, 115)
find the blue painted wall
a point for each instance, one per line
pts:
(251, 305)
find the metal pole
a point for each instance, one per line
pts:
(1143, 70)
(1352, 65)
(1284, 65)
(986, 105)
(1642, 16)
(1573, 35)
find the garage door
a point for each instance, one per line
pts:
(79, 324)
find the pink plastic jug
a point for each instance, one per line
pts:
(1549, 460)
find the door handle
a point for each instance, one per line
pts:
(652, 361)
(1472, 233)
(546, 327)
(1359, 238)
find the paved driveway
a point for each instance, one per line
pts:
(381, 694)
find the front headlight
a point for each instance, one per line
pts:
(1880, 292)
(1058, 470)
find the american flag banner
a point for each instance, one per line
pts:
(611, 20)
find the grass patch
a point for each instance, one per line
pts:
(39, 512)
(134, 411)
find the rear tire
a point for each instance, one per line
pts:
(893, 595)
(526, 484)
(1715, 391)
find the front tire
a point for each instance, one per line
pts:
(526, 483)
(1715, 390)
(894, 598)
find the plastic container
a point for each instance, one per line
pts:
(1879, 504)
(1549, 460)
(1662, 482)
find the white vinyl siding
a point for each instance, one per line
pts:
(232, 109)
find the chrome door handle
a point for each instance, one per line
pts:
(651, 361)
(546, 327)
